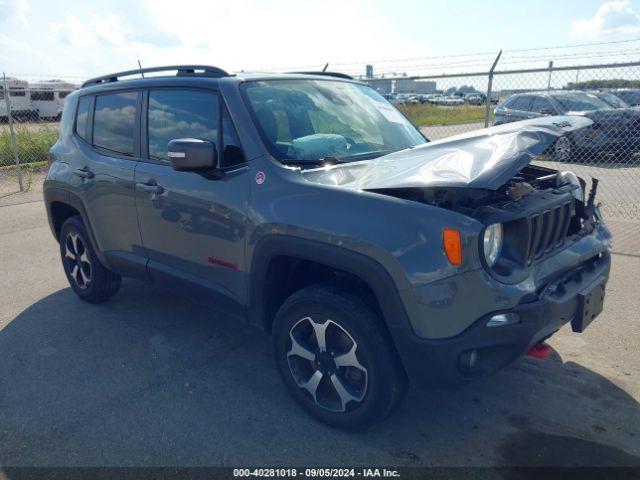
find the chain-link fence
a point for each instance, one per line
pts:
(442, 106)
(608, 150)
(29, 118)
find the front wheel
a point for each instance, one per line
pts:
(336, 359)
(562, 150)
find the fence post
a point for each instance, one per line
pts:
(12, 134)
(487, 111)
(550, 72)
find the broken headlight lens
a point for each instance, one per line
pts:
(492, 243)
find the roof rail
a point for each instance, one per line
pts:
(182, 71)
(326, 74)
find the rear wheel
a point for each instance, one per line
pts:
(336, 359)
(91, 280)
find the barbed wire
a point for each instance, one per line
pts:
(489, 54)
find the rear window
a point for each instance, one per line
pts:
(82, 118)
(42, 96)
(114, 122)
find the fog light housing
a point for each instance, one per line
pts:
(468, 361)
(502, 319)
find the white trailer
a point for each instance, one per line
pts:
(47, 98)
(20, 99)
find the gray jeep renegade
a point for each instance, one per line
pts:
(310, 207)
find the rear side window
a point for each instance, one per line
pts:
(114, 122)
(541, 104)
(521, 103)
(177, 114)
(82, 118)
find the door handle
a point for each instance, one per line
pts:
(84, 172)
(150, 188)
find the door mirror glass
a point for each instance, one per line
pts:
(546, 111)
(192, 154)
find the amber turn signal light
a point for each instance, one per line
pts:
(452, 245)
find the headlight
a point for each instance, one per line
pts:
(492, 243)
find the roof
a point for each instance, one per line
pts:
(196, 72)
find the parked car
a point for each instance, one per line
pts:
(611, 99)
(448, 101)
(631, 96)
(474, 99)
(310, 207)
(614, 132)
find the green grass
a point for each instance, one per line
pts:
(428, 115)
(33, 144)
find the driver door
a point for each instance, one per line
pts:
(192, 225)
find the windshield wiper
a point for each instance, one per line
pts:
(366, 155)
(312, 161)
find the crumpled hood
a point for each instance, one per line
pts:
(485, 158)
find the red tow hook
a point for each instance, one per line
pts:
(541, 351)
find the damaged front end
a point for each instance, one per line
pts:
(539, 211)
(487, 175)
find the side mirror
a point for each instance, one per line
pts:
(192, 154)
(547, 111)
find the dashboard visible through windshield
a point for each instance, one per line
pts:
(314, 120)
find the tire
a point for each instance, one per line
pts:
(563, 149)
(91, 280)
(358, 378)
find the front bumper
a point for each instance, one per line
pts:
(444, 362)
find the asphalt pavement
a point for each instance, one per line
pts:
(149, 379)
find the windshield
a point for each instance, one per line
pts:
(581, 102)
(612, 100)
(311, 120)
(632, 97)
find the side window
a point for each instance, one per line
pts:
(114, 122)
(176, 114)
(231, 153)
(541, 104)
(521, 103)
(82, 118)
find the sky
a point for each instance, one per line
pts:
(76, 39)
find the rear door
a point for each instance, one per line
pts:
(193, 223)
(107, 135)
(542, 106)
(520, 108)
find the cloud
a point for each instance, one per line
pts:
(613, 19)
(15, 10)
(73, 32)
(254, 34)
(111, 30)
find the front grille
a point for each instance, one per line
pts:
(548, 230)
